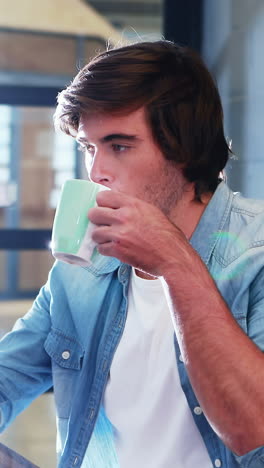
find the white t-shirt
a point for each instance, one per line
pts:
(144, 401)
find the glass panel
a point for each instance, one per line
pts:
(5, 144)
(4, 135)
(4, 176)
(36, 162)
(5, 114)
(3, 270)
(4, 154)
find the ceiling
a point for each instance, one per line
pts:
(132, 17)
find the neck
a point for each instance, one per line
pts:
(188, 212)
(144, 275)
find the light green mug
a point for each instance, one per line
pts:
(71, 235)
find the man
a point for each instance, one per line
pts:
(155, 351)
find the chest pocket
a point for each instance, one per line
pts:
(66, 355)
(64, 350)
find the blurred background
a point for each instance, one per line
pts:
(42, 46)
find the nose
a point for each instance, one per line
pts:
(99, 171)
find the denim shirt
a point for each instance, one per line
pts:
(69, 336)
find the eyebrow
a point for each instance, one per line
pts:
(119, 136)
(113, 136)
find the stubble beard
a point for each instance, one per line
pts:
(166, 192)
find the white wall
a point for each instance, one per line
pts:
(233, 50)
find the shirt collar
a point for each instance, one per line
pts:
(212, 222)
(103, 265)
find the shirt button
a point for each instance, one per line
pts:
(217, 463)
(65, 354)
(198, 410)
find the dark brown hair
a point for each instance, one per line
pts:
(182, 103)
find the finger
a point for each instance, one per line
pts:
(111, 199)
(102, 235)
(101, 215)
(107, 249)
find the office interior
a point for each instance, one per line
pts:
(42, 47)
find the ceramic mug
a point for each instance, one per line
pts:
(71, 235)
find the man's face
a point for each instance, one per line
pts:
(121, 154)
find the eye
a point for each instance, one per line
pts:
(119, 148)
(86, 149)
